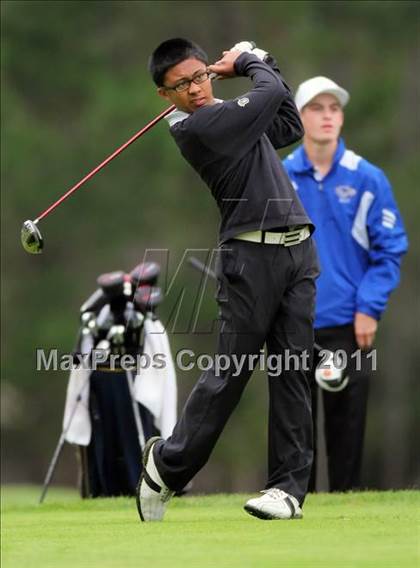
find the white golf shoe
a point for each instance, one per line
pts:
(274, 504)
(152, 495)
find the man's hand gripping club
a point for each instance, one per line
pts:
(224, 67)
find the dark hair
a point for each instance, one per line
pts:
(170, 53)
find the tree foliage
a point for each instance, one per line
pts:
(75, 86)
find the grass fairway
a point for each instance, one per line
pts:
(360, 529)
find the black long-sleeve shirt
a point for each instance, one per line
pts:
(231, 145)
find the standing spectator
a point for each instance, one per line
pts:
(360, 239)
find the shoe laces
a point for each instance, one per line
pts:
(165, 494)
(275, 493)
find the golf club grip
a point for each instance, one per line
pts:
(105, 162)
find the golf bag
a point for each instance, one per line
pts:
(122, 389)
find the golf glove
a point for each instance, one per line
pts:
(250, 47)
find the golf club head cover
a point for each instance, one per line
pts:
(112, 283)
(330, 374)
(250, 47)
(145, 273)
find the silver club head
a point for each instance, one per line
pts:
(31, 238)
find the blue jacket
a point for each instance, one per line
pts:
(359, 234)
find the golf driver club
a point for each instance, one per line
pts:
(31, 237)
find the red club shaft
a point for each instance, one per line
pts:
(104, 163)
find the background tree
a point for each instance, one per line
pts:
(75, 86)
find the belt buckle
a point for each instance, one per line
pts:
(274, 238)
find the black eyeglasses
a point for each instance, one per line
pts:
(184, 85)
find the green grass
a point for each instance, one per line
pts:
(359, 529)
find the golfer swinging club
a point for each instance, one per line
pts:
(266, 271)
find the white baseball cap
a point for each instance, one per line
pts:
(311, 88)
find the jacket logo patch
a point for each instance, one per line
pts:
(345, 193)
(243, 101)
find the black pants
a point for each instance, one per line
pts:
(344, 413)
(266, 296)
